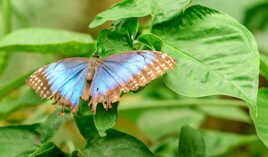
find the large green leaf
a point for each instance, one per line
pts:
(218, 143)
(159, 122)
(18, 141)
(227, 112)
(264, 66)
(160, 10)
(6, 89)
(214, 53)
(260, 116)
(116, 144)
(127, 26)
(48, 41)
(149, 104)
(110, 42)
(105, 119)
(85, 123)
(47, 150)
(256, 20)
(28, 99)
(168, 147)
(256, 16)
(229, 6)
(52, 125)
(191, 143)
(119, 38)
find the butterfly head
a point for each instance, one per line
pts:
(96, 56)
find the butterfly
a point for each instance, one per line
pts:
(98, 80)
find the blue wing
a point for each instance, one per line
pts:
(64, 79)
(125, 72)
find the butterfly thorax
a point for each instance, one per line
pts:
(92, 65)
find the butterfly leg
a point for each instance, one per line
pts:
(57, 98)
(61, 113)
(94, 107)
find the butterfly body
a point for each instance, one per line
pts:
(99, 80)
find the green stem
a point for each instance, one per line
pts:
(6, 13)
(181, 103)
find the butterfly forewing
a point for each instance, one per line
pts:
(64, 79)
(126, 72)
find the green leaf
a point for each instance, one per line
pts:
(215, 55)
(167, 147)
(260, 116)
(6, 89)
(256, 20)
(159, 122)
(226, 112)
(119, 38)
(149, 104)
(47, 150)
(110, 42)
(116, 144)
(18, 141)
(264, 66)
(48, 41)
(218, 143)
(85, 123)
(160, 10)
(105, 119)
(262, 39)
(51, 125)
(27, 100)
(191, 143)
(129, 26)
(164, 10)
(74, 154)
(256, 16)
(151, 41)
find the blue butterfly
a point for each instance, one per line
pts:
(99, 80)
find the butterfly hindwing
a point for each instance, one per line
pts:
(126, 72)
(64, 79)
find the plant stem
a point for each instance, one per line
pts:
(6, 13)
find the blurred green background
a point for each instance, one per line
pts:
(153, 116)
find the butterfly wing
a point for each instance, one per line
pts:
(64, 79)
(126, 72)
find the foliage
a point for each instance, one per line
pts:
(217, 59)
